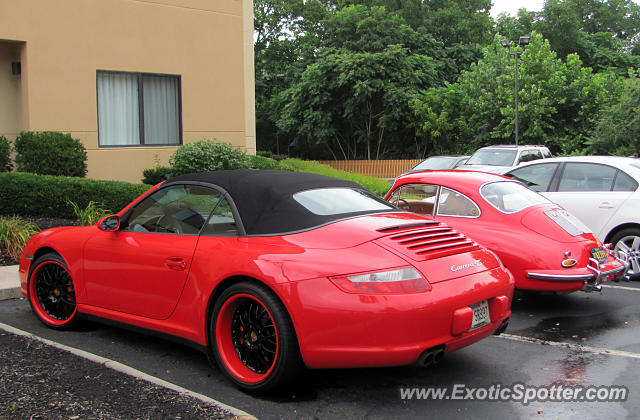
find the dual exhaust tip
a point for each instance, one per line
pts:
(431, 356)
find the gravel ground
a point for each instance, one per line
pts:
(42, 223)
(38, 381)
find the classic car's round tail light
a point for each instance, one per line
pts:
(569, 262)
(402, 280)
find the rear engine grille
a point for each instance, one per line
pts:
(435, 241)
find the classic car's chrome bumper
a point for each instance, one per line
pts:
(592, 281)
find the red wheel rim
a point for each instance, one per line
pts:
(247, 338)
(52, 293)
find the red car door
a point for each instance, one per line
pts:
(137, 273)
(142, 268)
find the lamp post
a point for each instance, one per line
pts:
(523, 41)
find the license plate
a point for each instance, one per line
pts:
(480, 314)
(599, 254)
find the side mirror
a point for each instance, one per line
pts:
(109, 223)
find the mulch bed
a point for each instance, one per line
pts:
(42, 223)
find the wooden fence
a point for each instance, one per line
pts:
(376, 168)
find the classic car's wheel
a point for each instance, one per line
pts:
(253, 339)
(628, 240)
(51, 292)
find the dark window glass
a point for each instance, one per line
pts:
(222, 222)
(587, 177)
(536, 177)
(179, 209)
(624, 183)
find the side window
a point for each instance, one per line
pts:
(536, 177)
(416, 198)
(587, 177)
(221, 222)
(624, 182)
(178, 209)
(529, 155)
(546, 153)
(452, 203)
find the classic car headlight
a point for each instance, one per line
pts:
(400, 280)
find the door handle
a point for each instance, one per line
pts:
(176, 263)
(606, 205)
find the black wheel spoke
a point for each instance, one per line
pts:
(254, 336)
(54, 291)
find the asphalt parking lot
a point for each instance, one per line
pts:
(575, 340)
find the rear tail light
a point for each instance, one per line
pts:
(401, 280)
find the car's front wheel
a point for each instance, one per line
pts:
(253, 339)
(628, 240)
(51, 292)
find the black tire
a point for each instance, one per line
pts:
(51, 292)
(248, 325)
(629, 241)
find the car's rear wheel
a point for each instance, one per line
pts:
(51, 292)
(253, 339)
(628, 240)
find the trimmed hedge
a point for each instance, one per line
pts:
(152, 176)
(33, 195)
(206, 155)
(376, 185)
(50, 153)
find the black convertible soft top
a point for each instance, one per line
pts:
(264, 199)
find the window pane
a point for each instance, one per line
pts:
(328, 201)
(180, 209)
(417, 198)
(118, 115)
(624, 183)
(536, 177)
(510, 197)
(494, 157)
(222, 222)
(161, 106)
(452, 203)
(587, 177)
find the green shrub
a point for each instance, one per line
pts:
(47, 196)
(5, 155)
(89, 215)
(260, 162)
(269, 154)
(50, 153)
(206, 155)
(14, 235)
(153, 176)
(376, 185)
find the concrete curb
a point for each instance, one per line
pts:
(9, 282)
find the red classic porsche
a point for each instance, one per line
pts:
(544, 246)
(268, 271)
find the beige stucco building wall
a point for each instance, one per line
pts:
(61, 44)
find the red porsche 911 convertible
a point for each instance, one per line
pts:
(544, 246)
(270, 271)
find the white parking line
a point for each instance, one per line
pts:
(611, 286)
(572, 346)
(128, 370)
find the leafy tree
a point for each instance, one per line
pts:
(557, 102)
(352, 105)
(618, 127)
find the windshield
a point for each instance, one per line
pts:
(493, 157)
(435, 163)
(330, 201)
(510, 197)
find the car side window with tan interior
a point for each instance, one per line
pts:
(416, 198)
(453, 203)
(178, 209)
